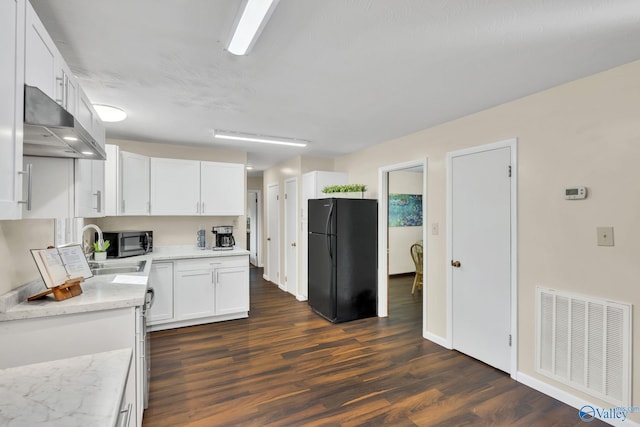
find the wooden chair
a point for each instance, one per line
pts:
(416, 256)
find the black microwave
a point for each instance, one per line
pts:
(128, 243)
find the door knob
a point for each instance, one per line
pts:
(455, 264)
(293, 244)
(268, 239)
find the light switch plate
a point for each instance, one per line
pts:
(605, 236)
(435, 229)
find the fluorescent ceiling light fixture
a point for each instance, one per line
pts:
(249, 24)
(70, 138)
(109, 113)
(249, 168)
(88, 153)
(258, 138)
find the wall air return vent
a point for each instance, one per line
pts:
(585, 343)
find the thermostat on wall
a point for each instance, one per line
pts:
(575, 193)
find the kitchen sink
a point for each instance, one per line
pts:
(102, 268)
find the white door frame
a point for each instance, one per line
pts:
(273, 276)
(258, 228)
(513, 144)
(383, 235)
(287, 238)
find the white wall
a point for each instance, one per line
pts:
(586, 132)
(401, 238)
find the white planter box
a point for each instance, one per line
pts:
(348, 195)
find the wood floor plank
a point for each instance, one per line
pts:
(286, 366)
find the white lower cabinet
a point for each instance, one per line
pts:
(161, 281)
(231, 298)
(58, 337)
(201, 290)
(193, 290)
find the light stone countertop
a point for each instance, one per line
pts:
(99, 292)
(168, 253)
(80, 391)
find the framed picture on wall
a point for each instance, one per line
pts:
(405, 210)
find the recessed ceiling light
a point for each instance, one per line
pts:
(249, 24)
(235, 136)
(88, 153)
(249, 168)
(70, 138)
(109, 113)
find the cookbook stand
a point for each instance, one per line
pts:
(69, 289)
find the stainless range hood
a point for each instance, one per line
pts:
(50, 131)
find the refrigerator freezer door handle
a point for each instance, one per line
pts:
(327, 228)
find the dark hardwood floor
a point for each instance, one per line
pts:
(286, 366)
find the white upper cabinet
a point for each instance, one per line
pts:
(67, 89)
(11, 106)
(111, 180)
(46, 69)
(40, 55)
(175, 187)
(89, 188)
(133, 184)
(160, 186)
(86, 115)
(222, 189)
(50, 194)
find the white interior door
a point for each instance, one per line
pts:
(480, 196)
(291, 235)
(273, 233)
(252, 214)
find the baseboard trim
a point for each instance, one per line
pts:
(570, 399)
(436, 339)
(301, 298)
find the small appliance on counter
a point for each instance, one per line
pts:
(201, 239)
(128, 243)
(224, 238)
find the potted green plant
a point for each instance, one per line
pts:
(349, 191)
(100, 253)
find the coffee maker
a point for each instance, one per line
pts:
(224, 237)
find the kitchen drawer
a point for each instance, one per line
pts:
(211, 263)
(230, 261)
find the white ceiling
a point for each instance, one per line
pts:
(343, 74)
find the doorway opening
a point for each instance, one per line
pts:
(401, 183)
(254, 223)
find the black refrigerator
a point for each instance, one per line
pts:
(343, 258)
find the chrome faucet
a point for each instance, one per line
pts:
(95, 227)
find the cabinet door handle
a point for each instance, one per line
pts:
(66, 92)
(202, 207)
(29, 173)
(60, 100)
(98, 194)
(193, 275)
(122, 206)
(124, 417)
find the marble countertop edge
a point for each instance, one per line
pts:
(78, 391)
